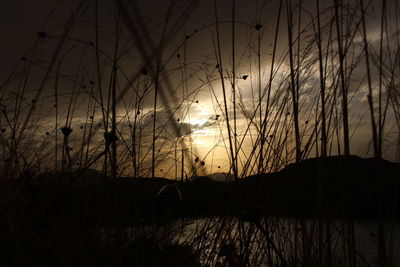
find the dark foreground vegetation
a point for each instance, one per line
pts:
(42, 215)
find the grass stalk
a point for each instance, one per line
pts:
(220, 69)
(343, 86)
(293, 85)
(370, 93)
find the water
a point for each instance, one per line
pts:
(272, 241)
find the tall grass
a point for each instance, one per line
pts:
(124, 95)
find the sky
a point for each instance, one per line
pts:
(191, 115)
(19, 22)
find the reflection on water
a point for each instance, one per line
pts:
(274, 241)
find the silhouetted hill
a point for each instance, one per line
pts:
(221, 177)
(335, 186)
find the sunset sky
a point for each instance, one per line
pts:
(190, 107)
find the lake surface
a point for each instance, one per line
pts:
(269, 242)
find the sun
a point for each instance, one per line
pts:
(197, 121)
(199, 114)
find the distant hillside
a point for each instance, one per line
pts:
(334, 186)
(221, 177)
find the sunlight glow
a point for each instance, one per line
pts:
(198, 122)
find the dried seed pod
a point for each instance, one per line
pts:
(66, 131)
(110, 137)
(42, 35)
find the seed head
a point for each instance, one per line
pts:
(66, 131)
